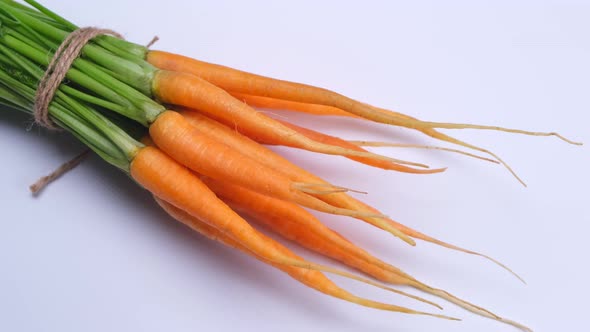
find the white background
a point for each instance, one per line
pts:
(94, 253)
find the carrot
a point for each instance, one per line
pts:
(247, 146)
(114, 75)
(289, 220)
(329, 110)
(174, 183)
(235, 140)
(420, 146)
(396, 165)
(193, 92)
(294, 223)
(173, 134)
(241, 82)
(311, 278)
(279, 104)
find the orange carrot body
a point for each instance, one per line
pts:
(241, 82)
(194, 92)
(294, 172)
(296, 224)
(280, 104)
(218, 131)
(196, 150)
(172, 182)
(311, 278)
(237, 81)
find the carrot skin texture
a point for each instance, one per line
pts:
(242, 82)
(280, 104)
(296, 224)
(197, 151)
(191, 91)
(237, 141)
(165, 178)
(238, 81)
(241, 143)
(317, 109)
(311, 278)
(234, 139)
(332, 140)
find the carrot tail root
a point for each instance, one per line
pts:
(418, 146)
(467, 305)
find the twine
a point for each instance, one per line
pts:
(36, 187)
(64, 56)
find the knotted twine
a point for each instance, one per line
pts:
(60, 64)
(62, 60)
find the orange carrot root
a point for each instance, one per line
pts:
(298, 225)
(204, 155)
(170, 181)
(205, 97)
(243, 83)
(468, 306)
(219, 132)
(314, 279)
(394, 164)
(280, 104)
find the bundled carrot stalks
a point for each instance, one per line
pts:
(204, 173)
(174, 183)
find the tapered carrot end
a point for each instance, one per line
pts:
(323, 188)
(389, 307)
(565, 139)
(429, 128)
(438, 170)
(467, 306)
(418, 146)
(443, 137)
(499, 264)
(496, 128)
(418, 235)
(340, 151)
(349, 297)
(495, 261)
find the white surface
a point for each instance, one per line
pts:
(94, 253)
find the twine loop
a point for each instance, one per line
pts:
(64, 56)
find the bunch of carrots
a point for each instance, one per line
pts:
(187, 132)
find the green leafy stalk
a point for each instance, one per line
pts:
(113, 73)
(131, 51)
(136, 74)
(110, 74)
(133, 103)
(85, 122)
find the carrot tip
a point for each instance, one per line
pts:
(418, 146)
(330, 189)
(441, 316)
(565, 139)
(464, 304)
